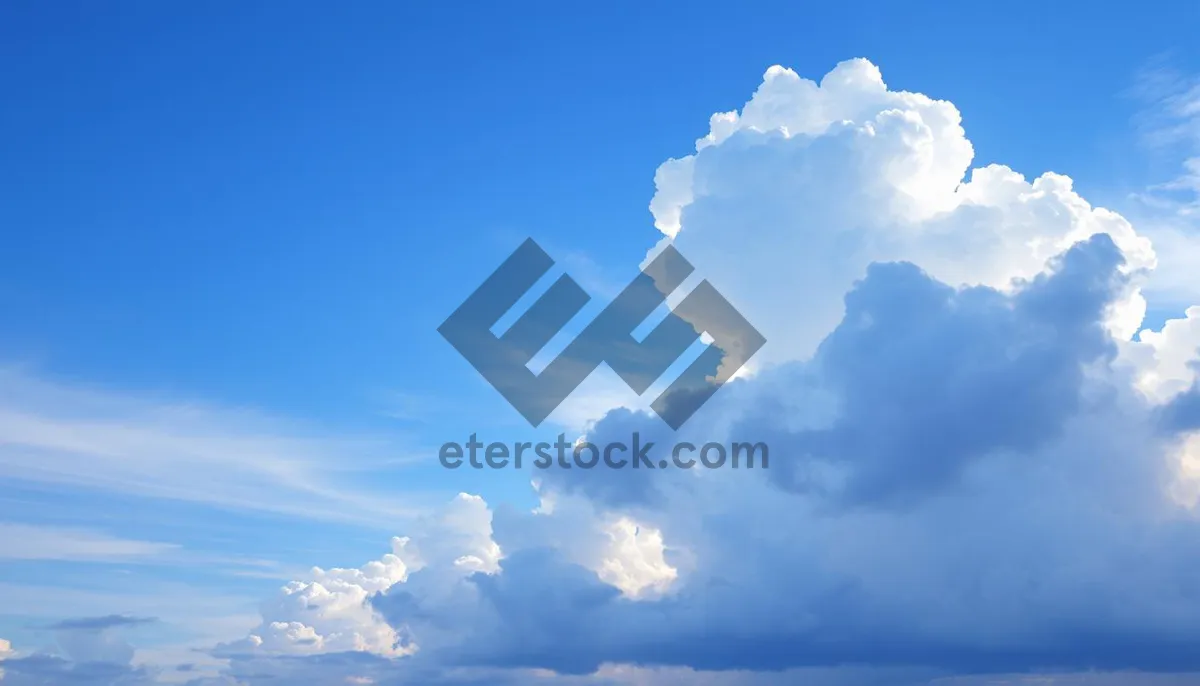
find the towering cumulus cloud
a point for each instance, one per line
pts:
(977, 466)
(785, 203)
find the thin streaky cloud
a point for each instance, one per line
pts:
(60, 435)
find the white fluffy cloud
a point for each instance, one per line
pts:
(330, 611)
(784, 204)
(1165, 360)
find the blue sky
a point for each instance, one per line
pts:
(230, 233)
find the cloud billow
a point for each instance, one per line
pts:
(972, 407)
(929, 377)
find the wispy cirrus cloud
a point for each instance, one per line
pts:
(67, 436)
(1168, 210)
(1171, 120)
(32, 542)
